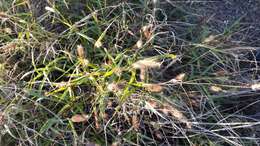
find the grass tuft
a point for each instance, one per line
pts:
(140, 72)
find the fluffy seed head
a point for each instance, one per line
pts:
(215, 89)
(8, 30)
(79, 118)
(147, 31)
(156, 88)
(255, 87)
(98, 44)
(209, 39)
(177, 114)
(50, 9)
(2, 118)
(116, 87)
(80, 51)
(3, 15)
(135, 122)
(146, 63)
(139, 44)
(180, 77)
(8, 47)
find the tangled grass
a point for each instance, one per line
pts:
(121, 73)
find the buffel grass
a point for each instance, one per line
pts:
(102, 72)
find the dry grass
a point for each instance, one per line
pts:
(125, 73)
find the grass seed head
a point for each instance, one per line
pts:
(135, 122)
(180, 77)
(116, 143)
(116, 87)
(7, 30)
(209, 39)
(97, 125)
(255, 87)
(118, 71)
(98, 44)
(62, 84)
(2, 118)
(153, 103)
(112, 87)
(146, 63)
(139, 44)
(220, 72)
(79, 118)
(85, 62)
(3, 15)
(50, 9)
(147, 31)
(143, 74)
(156, 88)
(8, 47)
(177, 114)
(81, 51)
(215, 89)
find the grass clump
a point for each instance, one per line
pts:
(115, 73)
